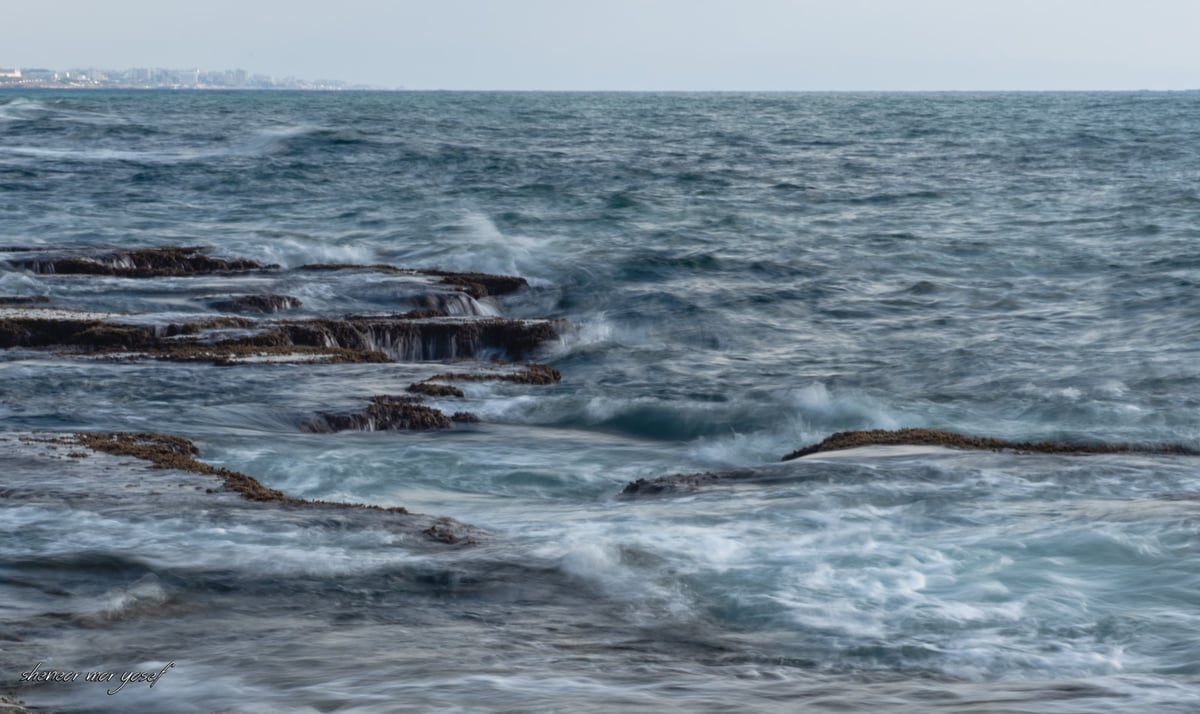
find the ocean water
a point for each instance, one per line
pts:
(739, 275)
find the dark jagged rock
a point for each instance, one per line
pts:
(50, 332)
(162, 341)
(531, 374)
(479, 285)
(465, 417)
(446, 531)
(398, 338)
(256, 303)
(384, 413)
(432, 389)
(235, 354)
(936, 437)
(173, 452)
(417, 340)
(137, 263)
(681, 483)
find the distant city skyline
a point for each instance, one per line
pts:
(92, 76)
(632, 44)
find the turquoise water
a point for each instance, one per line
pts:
(741, 275)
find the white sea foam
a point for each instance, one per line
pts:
(816, 405)
(480, 246)
(21, 283)
(292, 252)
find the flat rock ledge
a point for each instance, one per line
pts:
(256, 303)
(528, 374)
(136, 263)
(233, 339)
(386, 412)
(447, 322)
(477, 285)
(936, 437)
(683, 483)
(166, 451)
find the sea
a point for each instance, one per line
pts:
(735, 276)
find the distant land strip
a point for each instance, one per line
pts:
(160, 78)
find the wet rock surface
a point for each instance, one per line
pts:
(685, 483)
(480, 285)
(476, 285)
(413, 340)
(177, 454)
(378, 339)
(256, 303)
(383, 413)
(138, 263)
(528, 374)
(674, 484)
(937, 437)
(433, 389)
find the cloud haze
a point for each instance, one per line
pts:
(632, 44)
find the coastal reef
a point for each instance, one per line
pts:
(446, 319)
(186, 304)
(685, 483)
(383, 413)
(936, 437)
(175, 454)
(256, 303)
(138, 263)
(675, 484)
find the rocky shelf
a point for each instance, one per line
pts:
(190, 305)
(165, 458)
(128, 263)
(936, 437)
(445, 322)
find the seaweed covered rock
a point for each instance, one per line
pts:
(937, 437)
(167, 451)
(682, 483)
(56, 332)
(265, 303)
(175, 452)
(433, 339)
(433, 389)
(529, 374)
(383, 413)
(372, 339)
(479, 285)
(136, 263)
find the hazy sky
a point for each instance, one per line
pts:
(630, 44)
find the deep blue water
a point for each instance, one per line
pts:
(740, 275)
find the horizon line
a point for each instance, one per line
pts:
(365, 88)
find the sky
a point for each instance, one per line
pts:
(692, 45)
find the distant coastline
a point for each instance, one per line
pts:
(159, 78)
